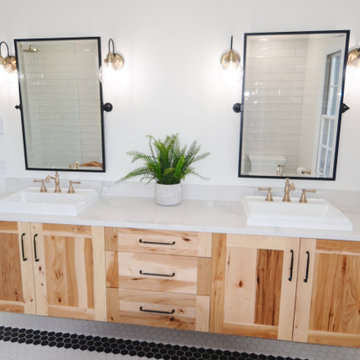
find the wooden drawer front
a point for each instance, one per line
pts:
(151, 272)
(182, 311)
(158, 242)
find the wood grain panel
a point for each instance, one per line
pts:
(262, 331)
(99, 270)
(252, 291)
(261, 242)
(268, 290)
(10, 269)
(240, 285)
(303, 291)
(64, 274)
(335, 305)
(335, 339)
(131, 264)
(66, 230)
(182, 243)
(217, 283)
(8, 227)
(82, 313)
(12, 306)
(338, 246)
(123, 306)
(203, 276)
(202, 313)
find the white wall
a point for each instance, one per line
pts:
(171, 81)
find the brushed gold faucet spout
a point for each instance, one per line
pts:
(289, 186)
(57, 181)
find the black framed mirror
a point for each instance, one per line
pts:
(292, 102)
(61, 103)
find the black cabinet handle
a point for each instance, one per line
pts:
(307, 267)
(141, 241)
(291, 265)
(22, 247)
(154, 274)
(35, 251)
(157, 311)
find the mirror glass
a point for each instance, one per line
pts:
(61, 103)
(292, 96)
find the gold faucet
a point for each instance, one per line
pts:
(57, 181)
(289, 186)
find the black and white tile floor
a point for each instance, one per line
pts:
(43, 338)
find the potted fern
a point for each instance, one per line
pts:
(168, 164)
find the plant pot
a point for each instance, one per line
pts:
(168, 195)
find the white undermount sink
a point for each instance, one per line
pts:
(32, 201)
(315, 214)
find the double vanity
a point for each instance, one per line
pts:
(198, 266)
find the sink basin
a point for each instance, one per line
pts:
(32, 201)
(315, 214)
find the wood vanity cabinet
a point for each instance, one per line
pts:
(55, 270)
(158, 278)
(17, 293)
(304, 290)
(253, 285)
(328, 293)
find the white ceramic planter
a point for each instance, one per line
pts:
(168, 195)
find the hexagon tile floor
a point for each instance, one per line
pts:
(24, 337)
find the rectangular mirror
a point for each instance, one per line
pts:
(61, 103)
(292, 104)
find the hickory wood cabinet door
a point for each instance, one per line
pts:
(16, 269)
(69, 271)
(254, 285)
(328, 293)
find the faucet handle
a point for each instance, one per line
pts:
(42, 181)
(71, 188)
(303, 195)
(268, 195)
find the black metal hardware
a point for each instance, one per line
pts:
(141, 241)
(154, 274)
(35, 251)
(22, 247)
(307, 267)
(291, 265)
(344, 108)
(107, 107)
(157, 311)
(237, 107)
(18, 107)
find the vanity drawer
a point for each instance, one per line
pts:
(158, 242)
(181, 311)
(180, 274)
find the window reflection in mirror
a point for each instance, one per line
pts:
(292, 95)
(61, 103)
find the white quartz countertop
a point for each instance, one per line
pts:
(190, 215)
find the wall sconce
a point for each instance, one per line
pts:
(113, 59)
(354, 57)
(231, 57)
(8, 62)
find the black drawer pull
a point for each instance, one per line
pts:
(307, 267)
(22, 247)
(291, 265)
(35, 251)
(154, 274)
(141, 241)
(157, 311)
